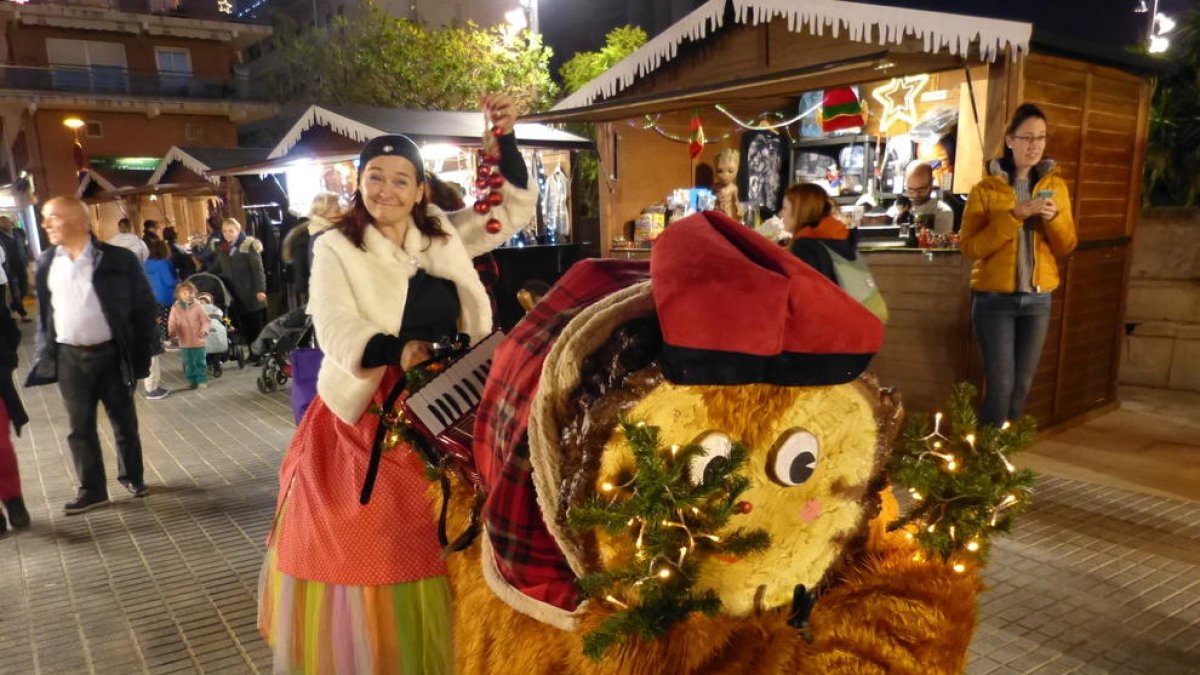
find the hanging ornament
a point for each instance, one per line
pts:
(481, 207)
(225, 6)
(696, 142)
(493, 226)
(841, 109)
(496, 181)
(495, 198)
(483, 172)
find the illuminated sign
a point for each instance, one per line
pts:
(899, 100)
(126, 163)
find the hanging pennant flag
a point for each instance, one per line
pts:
(841, 109)
(696, 142)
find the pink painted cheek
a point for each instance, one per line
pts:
(810, 511)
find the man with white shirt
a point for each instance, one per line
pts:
(918, 185)
(96, 335)
(125, 238)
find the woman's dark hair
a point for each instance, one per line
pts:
(158, 249)
(442, 194)
(169, 235)
(356, 221)
(1023, 113)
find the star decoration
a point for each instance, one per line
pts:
(225, 6)
(899, 100)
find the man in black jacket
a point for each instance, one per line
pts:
(95, 338)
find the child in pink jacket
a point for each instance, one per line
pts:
(188, 324)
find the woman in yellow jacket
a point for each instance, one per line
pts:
(1017, 221)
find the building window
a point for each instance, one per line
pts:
(174, 61)
(94, 129)
(193, 132)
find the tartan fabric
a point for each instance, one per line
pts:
(526, 553)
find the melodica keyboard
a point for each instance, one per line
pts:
(445, 407)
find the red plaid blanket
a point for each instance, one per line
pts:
(526, 554)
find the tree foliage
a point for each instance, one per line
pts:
(586, 66)
(582, 68)
(1172, 168)
(377, 59)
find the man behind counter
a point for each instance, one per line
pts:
(918, 181)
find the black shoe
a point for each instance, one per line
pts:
(85, 502)
(135, 489)
(17, 513)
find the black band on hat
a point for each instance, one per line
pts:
(397, 145)
(688, 366)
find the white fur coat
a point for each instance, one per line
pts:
(356, 294)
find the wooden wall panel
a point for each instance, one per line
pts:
(1093, 319)
(924, 352)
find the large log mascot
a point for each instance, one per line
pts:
(717, 398)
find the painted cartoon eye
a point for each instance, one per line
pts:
(717, 449)
(795, 458)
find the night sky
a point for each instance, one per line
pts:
(580, 25)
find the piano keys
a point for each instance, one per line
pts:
(455, 393)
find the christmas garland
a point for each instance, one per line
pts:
(963, 487)
(672, 526)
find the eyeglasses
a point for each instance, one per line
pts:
(918, 190)
(1030, 139)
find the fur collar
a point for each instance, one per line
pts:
(1043, 168)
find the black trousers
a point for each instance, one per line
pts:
(251, 324)
(17, 287)
(87, 377)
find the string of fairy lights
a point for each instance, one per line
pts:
(961, 482)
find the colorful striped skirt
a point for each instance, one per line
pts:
(326, 629)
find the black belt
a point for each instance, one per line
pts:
(89, 348)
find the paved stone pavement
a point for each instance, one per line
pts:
(1096, 579)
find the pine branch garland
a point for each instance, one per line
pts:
(667, 524)
(963, 486)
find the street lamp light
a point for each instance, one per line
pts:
(77, 154)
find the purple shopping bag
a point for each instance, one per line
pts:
(306, 363)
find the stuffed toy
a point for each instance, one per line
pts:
(685, 474)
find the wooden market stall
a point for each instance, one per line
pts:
(735, 66)
(182, 181)
(319, 151)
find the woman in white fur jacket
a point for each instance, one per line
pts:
(359, 588)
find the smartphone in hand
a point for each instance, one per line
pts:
(1044, 194)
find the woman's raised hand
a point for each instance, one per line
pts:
(500, 112)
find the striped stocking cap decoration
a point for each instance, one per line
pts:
(841, 109)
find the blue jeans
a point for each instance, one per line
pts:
(1011, 329)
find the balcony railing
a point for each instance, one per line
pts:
(103, 80)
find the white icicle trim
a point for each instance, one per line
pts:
(318, 116)
(176, 154)
(860, 22)
(939, 31)
(650, 56)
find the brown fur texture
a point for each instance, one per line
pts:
(891, 614)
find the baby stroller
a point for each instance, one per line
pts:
(233, 346)
(276, 342)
